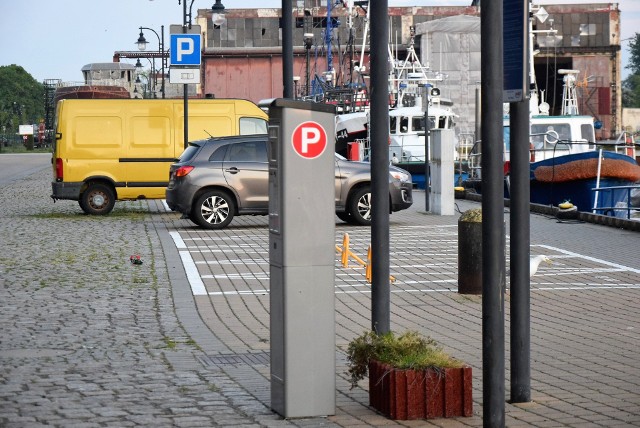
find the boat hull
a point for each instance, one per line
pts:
(572, 178)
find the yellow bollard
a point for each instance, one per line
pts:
(368, 266)
(345, 250)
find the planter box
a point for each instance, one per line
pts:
(420, 394)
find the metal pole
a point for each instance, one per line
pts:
(163, 59)
(493, 234)
(427, 167)
(308, 77)
(186, 86)
(520, 252)
(380, 289)
(287, 48)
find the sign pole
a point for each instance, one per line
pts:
(186, 86)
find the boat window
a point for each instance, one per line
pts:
(392, 125)
(432, 122)
(586, 130)
(404, 124)
(546, 136)
(417, 124)
(442, 123)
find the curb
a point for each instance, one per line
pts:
(586, 217)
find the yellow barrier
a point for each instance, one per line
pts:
(345, 253)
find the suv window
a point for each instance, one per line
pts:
(218, 155)
(253, 151)
(188, 153)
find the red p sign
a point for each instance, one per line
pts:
(309, 140)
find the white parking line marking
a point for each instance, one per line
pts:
(177, 239)
(197, 286)
(351, 285)
(193, 276)
(593, 259)
(590, 287)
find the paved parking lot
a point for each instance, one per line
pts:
(584, 309)
(88, 339)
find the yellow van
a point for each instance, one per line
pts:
(120, 149)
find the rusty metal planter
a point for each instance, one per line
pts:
(420, 394)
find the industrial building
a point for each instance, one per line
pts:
(242, 54)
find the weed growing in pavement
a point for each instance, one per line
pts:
(170, 343)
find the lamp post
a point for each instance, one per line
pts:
(151, 84)
(142, 45)
(308, 41)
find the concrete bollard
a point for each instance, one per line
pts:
(470, 252)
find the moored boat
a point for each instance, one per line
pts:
(90, 92)
(574, 177)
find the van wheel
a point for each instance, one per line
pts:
(213, 210)
(360, 206)
(97, 199)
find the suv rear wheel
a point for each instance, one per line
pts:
(213, 210)
(360, 206)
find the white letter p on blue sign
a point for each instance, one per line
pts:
(185, 49)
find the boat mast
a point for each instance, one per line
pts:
(569, 94)
(328, 38)
(535, 106)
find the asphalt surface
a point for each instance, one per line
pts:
(91, 340)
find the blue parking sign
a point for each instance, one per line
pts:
(185, 49)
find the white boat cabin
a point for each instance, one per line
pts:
(553, 136)
(407, 127)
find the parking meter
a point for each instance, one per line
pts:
(302, 257)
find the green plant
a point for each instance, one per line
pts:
(409, 350)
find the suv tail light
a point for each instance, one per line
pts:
(59, 173)
(183, 171)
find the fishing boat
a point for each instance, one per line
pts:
(575, 178)
(409, 83)
(90, 92)
(567, 166)
(566, 162)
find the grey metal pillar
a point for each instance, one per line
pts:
(287, 48)
(380, 287)
(493, 251)
(520, 253)
(427, 151)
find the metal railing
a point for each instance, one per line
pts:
(611, 210)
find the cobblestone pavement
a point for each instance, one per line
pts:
(89, 339)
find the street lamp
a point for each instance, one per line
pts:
(142, 45)
(218, 7)
(152, 84)
(308, 42)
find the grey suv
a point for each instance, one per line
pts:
(219, 178)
